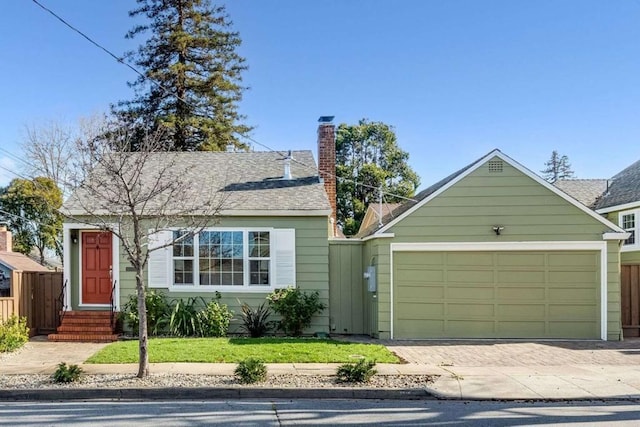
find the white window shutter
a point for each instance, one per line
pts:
(284, 250)
(159, 264)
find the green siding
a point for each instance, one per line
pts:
(346, 287)
(312, 266)
(467, 211)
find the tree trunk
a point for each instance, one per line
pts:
(143, 361)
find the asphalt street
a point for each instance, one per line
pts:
(318, 412)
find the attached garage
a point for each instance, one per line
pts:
(493, 251)
(528, 293)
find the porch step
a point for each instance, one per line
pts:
(85, 326)
(81, 337)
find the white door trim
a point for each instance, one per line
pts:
(115, 265)
(600, 246)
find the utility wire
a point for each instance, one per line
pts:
(167, 91)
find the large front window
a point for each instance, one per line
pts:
(222, 258)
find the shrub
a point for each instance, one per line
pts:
(214, 319)
(14, 333)
(67, 374)
(185, 321)
(360, 372)
(296, 308)
(255, 321)
(157, 312)
(251, 371)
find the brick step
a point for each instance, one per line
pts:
(87, 314)
(80, 337)
(80, 322)
(84, 329)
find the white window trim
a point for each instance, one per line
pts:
(510, 246)
(636, 245)
(245, 288)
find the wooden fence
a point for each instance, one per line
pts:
(34, 295)
(630, 298)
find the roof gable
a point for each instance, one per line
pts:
(432, 192)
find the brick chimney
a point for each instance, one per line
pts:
(327, 162)
(5, 239)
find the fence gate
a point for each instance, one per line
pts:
(630, 300)
(45, 308)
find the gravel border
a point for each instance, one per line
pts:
(287, 381)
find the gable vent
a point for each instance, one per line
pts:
(495, 166)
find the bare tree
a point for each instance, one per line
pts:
(135, 195)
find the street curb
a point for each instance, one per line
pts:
(198, 393)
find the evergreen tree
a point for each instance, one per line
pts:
(191, 55)
(368, 153)
(557, 167)
(30, 207)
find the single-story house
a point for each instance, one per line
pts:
(11, 262)
(491, 251)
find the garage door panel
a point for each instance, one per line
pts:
(517, 294)
(460, 328)
(522, 311)
(469, 259)
(525, 276)
(572, 276)
(420, 293)
(470, 311)
(571, 259)
(580, 330)
(505, 259)
(422, 259)
(574, 294)
(522, 329)
(423, 275)
(476, 293)
(421, 311)
(571, 312)
(469, 276)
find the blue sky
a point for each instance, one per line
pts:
(455, 78)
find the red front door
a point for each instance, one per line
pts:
(96, 267)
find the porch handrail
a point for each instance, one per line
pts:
(112, 306)
(60, 299)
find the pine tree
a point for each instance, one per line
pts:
(557, 167)
(191, 56)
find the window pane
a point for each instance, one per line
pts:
(183, 271)
(259, 272)
(259, 244)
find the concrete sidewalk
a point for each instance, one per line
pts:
(534, 381)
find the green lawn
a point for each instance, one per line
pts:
(233, 350)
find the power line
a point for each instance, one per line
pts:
(167, 91)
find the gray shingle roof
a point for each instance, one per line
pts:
(586, 191)
(244, 181)
(623, 188)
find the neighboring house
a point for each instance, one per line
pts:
(618, 200)
(491, 251)
(271, 232)
(11, 262)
